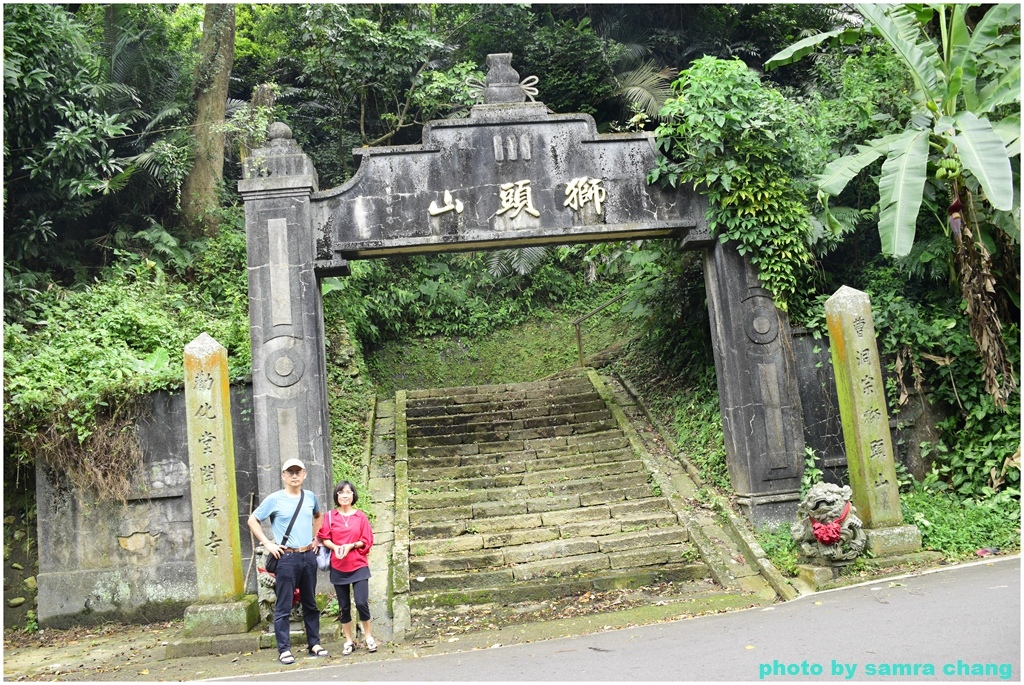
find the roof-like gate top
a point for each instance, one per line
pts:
(510, 174)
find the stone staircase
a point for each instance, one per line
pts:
(529, 491)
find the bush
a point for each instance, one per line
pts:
(958, 528)
(73, 369)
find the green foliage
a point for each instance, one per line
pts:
(739, 143)
(665, 293)
(958, 528)
(698, 423)
(812, 474)
(57, 151)
(682, 394)
(78, 357)
(444, 294)
(31, 622)
(780, 548)
(526, 351)
(950, 110)
(348, 397)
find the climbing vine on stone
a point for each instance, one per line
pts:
(739, 143)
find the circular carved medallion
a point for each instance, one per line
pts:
(762, 323)
(284, 367)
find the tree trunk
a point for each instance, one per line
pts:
(200, 191)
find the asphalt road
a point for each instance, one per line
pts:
(951, 624)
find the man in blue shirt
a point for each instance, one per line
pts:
(296, 566)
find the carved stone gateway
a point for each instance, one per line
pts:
(511, 174)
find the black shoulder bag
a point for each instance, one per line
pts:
(271, 559)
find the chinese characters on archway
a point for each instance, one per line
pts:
(517, 196)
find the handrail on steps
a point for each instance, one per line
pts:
(577, 322)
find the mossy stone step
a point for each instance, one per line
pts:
(467, 455)
(506, 391)
(443, 500)
(512, 477)
(477, 412)
(579, 378)
(609, 529)
(498, 557)
(491, 435)
(474, 404)
(458, 561)
(550, 444)
(454, 468)
(546, 588)
(499, 425)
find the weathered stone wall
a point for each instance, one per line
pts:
(108, 560)
(915, 423)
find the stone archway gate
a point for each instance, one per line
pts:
(511, 174)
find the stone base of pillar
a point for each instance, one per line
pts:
(330, 632)
(886, 542)
(769, 511)
(816, 576)
(227, 618)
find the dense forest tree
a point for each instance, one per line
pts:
(200, 193)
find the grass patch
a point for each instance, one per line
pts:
(958, 528)
(527, 352)
(685, 403)
(780, 547)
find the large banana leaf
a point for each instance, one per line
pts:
(804, 47)
(900, 190)
(967, 46)
(840, 171)
(898, 26)
(1001, 92)
(984, 155)
(1008, 130)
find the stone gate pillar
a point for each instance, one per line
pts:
(285, 315)
(757, 388)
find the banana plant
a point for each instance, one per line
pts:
(958, 83)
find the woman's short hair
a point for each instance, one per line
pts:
(341, 486)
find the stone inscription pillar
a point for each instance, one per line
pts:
(221, 609)
(285, 315)
(211, 457)
(869, 454)
(757, 388)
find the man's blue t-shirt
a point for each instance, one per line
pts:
(280, 506)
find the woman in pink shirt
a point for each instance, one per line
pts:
(346, 530)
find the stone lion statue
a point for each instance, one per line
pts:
(827, 528)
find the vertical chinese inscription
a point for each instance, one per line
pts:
(861, 393)
(211, 456)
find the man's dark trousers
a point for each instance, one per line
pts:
(296, 570)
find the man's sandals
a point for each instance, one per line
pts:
(287, 659)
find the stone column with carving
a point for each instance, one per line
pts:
(869, 454)
(285, 315)
(211, 456)
(757, 388)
